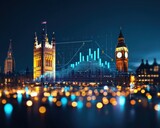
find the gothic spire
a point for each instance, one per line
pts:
(120, 34)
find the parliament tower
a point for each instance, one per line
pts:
(44, 56)
(121, 54)
(9, 64)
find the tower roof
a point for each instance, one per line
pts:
(121, 42)
(121, 34)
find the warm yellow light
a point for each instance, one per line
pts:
(105, 100)
(158, 94)
(139, 100)
(29, 103)
(135, 90)
(36, 98)
(99, 105)
(74, 104)
(42, 109)
(54, 100)
(142, 91)
(113, 101)
(149, 97)
(58, 103)
(157, 107)
(4, 101)
(14, 96)
(118, 93)
(132, 102)
(67, 94)
(47, 94)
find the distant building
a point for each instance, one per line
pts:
(121, 54)
(44, 57)
(148, 74)
(121, 57)
(9, 65)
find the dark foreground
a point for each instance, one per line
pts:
(80, 109)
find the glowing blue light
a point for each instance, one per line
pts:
(105, 62)
(79, 104)
(66, 89)
(105, 87)
(158, 107)
(19, 97)
(100, 61)
(89, 51)
(64, 101)
(108, 65)
(73, 97)
(91, 56)
(94, 55)
(87, 58)
(102, 64)
(73, 65)
(26, 89)
(97, 53)
(27, 92)
(8, 108)
(148, 88)
(80, 57)
(122, 100)
(76, 63)
(50, 98)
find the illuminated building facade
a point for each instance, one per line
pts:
(9, 64)
(44, 56)
(148, 74)
(121, 54)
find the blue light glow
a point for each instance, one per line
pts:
(148, 88)
(89, 51)
(50, 98)
(100, 61)
(80, 57)
(108, 65)
(73, 97)
(105, 87)
(66, 89)
(64, 101)
(91, 56)
(97, 53)
(8, 108)
(27, 92)
(79, 104)
(87, 58)
(19, 97)
(122, 100)
(94, 55)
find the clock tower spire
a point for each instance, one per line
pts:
(121, 54)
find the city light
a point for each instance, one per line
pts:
(8, 108)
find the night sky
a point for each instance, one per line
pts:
(80, 20)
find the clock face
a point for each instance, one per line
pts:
(119, 55)
(126, 54)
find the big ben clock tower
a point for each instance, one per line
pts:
(121, 54)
